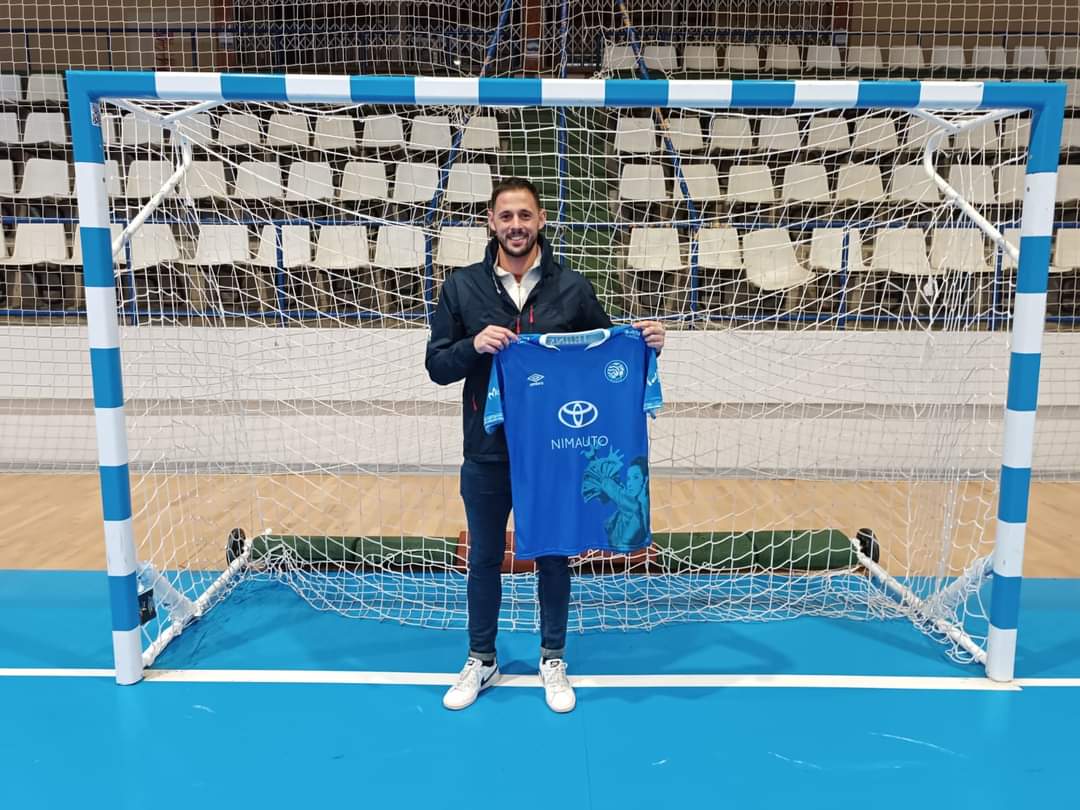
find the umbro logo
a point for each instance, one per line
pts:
(535, 380)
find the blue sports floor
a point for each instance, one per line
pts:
(80, 741)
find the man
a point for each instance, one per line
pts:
(518, 287)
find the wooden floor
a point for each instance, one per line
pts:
(50, 521)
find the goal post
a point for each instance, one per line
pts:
(87, 90)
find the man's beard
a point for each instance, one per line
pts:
(530, 243)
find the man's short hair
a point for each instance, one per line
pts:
(514, 184)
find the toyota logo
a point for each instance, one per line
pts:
(578, 414)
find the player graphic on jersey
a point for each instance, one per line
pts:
(628, 526)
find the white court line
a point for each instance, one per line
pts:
(300, 676)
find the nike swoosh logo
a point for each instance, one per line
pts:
(488, 678)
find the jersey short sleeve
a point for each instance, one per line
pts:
(573, 408)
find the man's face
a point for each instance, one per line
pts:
(516, 220)
(635, 481)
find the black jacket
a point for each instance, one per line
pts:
(473, 298)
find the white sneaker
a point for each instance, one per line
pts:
(473, 679)
(557, 689)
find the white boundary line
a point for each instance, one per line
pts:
(300, 676)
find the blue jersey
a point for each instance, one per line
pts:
(573, 407)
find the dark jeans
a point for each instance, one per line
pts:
(485, 489)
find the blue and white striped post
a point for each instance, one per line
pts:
(104, 339)
(1029, 316)
(1047, 100)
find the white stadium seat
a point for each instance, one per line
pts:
(827, 250)
(823, 58)
(1067, 58)
(288, 130)
(864, 58)
(718, 249)
(805, 183)
(730, 134)
(1068, 185)
(197, 129)
(906, 58)
(45, 178)
(9, 129)
(460, 246)
(778, 134)
(782, 59)
(135, 131)
(221, 244)
(415, 182)
(961, 250)
(916, 133)
(948, 57)
(619, 57)
(239, 129)
(39, 243)
(295, 247)
(770, 262)
(1067, 249)
(859, 183)
(986, 59)
(901, 251)
(342, 247)
(700, 58)
(205, 180)
(468, 183)
(1010, 184)
(642, 183)
(429, 133)
(654, 249)
(47, 128)
(1029, 58)
(975, 183)
(481, 133)
(153, 244)
(45, 87)
(981, 138)
(635, 135)
(874, 134)
(702, 183)
(364, 180)
(10, 88)
(828, 133)
(742, 59)
(685, 133)
(309, 182)
(113, 184)
(7, 178)
(750, 183)
(911, 184)
(399, 247)
(1015, 134)
(335, 132)
(257, 180)
(382, 132)
(661, 57)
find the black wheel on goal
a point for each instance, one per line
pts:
(868, 544)
(234, 546)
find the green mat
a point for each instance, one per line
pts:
(798, 550)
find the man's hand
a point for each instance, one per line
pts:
(653, 332)
(493, 339)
